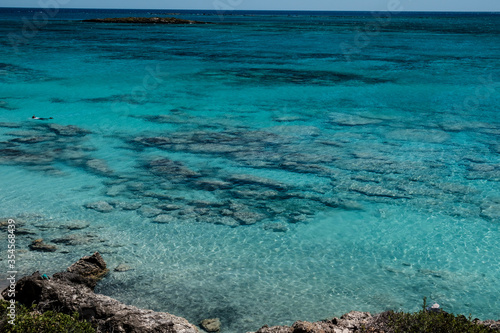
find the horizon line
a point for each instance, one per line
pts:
(271, 10)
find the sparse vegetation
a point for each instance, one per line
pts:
(425, 321)
(28, 320)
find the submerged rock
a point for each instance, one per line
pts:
(212, 184)
(9, 125)
(248, 217)
(122, 268)
(116, 190)
(39, 245)
(100, 206)
(69, 130)
(32, 139)
(171, 169)
(254, 180)
(98, 166)
(256, 195)
(76, 239)
(344, 119)
(275, 227)
(227, 221)
(77, 225)
(419, 135)
(147, 211)
(128, 205)
(25, 231)
(211, 325)
(168, 207)
(164, 218)
(491, 212)
(377, 191)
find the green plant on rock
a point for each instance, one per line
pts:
(28, 320)
(425, 321)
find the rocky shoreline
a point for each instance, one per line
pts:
(145, 20)
(73, 291)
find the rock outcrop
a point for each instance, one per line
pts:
(211, 325)
(145, 20)
(351, 322)
(39, 245)
(73, 291)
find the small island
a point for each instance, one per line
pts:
(145, 20)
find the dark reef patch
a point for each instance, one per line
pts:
(144, 20)
(272, 76)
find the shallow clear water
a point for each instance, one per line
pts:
(297, 171)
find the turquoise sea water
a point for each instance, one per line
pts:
(262, 169)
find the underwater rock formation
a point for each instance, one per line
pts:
(39, 245)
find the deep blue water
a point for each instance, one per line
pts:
(266, 168)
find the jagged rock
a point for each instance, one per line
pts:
(494, 325)
(350, 322)
(39, 245)
(90, 266)
(100, 206)
(74, 278)
(70, 292)
(211, 325)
